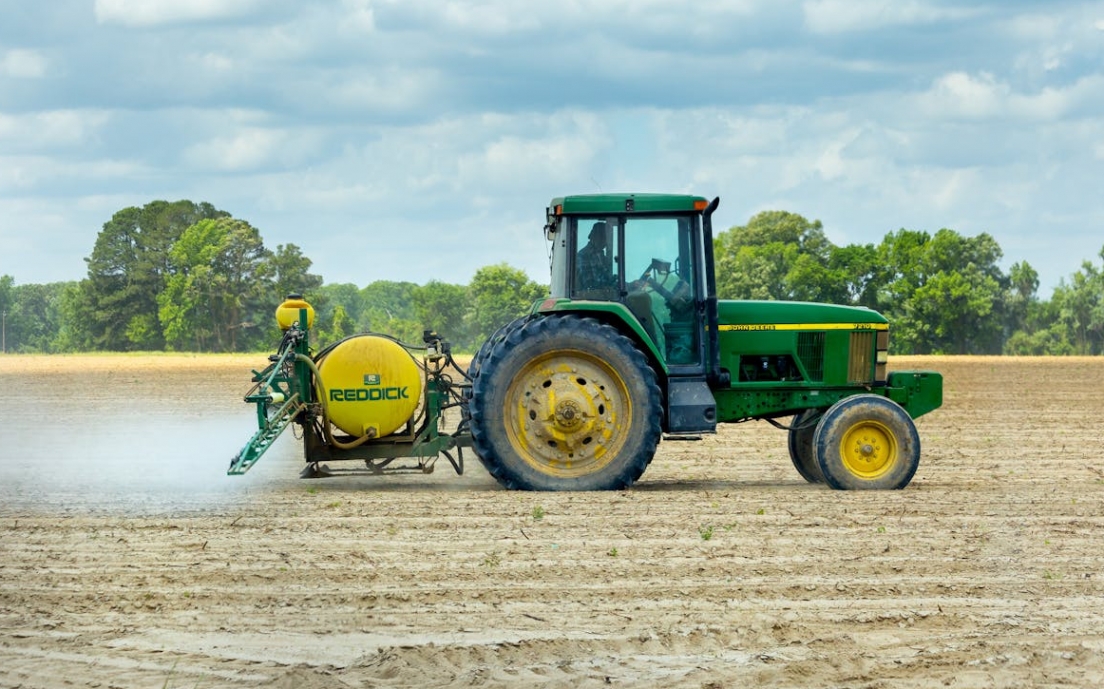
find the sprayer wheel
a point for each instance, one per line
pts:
(801, 446)
(565, 403)
(867, 442)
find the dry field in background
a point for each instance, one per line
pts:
(721, 568)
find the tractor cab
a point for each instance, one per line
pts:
(642, 263)
(641, 251)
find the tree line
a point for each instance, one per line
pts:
(184, 276)
(943, 293)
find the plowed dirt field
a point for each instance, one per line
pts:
(128, 558)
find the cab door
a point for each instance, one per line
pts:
(663, 287)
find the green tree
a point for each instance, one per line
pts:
(1033, 325)
(943, 293)
(441, 307)
(286, 271)
(1049, 342)
(857, 275)
(32, 316)
(216, 286)
(498, 295)
(389, 308)
(340, 327)
(781, 255)
(291, 274)
(343, 294)
(955, 313)
(128, 269)
(330, 298)
(1022, 295)
(7, 282)
(1080, 306)
(75, 314)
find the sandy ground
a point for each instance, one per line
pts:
(721, 568)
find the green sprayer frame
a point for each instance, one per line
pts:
(289, 390)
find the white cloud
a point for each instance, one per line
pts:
(1034, 27)
(1053, 41)
(51, 130)
(959, 95)
(832, 163)
(843, 16)
(23, 64)
(498, 16)
(144, 13)
(448, 162)
(252, 148)
(215, 62)
(956, 186)
(386, 90)
(33, 172)
(484, 17)
(451, 122)
(359, 15)
(561, 147)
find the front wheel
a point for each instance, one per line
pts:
(565, 403)
(867, 442)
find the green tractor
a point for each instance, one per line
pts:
(631, 346)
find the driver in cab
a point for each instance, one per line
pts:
(594, 277)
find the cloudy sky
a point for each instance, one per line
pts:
(422, 139)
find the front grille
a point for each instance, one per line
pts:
(810, 349)
(860, 364)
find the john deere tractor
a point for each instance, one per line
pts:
(632, 346)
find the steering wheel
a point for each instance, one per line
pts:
(680, 292)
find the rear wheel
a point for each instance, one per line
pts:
(565, 403)
(476, 365)
(867, 442)
(802, 429)
(498, 336)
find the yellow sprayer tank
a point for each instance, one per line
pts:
(287, 312)
(370, 383)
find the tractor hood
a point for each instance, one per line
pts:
(769, 315)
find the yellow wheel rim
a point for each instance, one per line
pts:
(869, 449)
(567, 413)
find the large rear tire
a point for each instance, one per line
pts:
(565, 403)
(867, 442)
(476, 365)
(499, 335)
(802, 454)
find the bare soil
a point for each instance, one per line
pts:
(721, 568)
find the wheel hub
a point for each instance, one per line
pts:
(567, 409)
(568, 415)
(869, 449)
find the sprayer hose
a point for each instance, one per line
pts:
(321, 390)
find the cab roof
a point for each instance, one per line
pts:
(627, 203)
